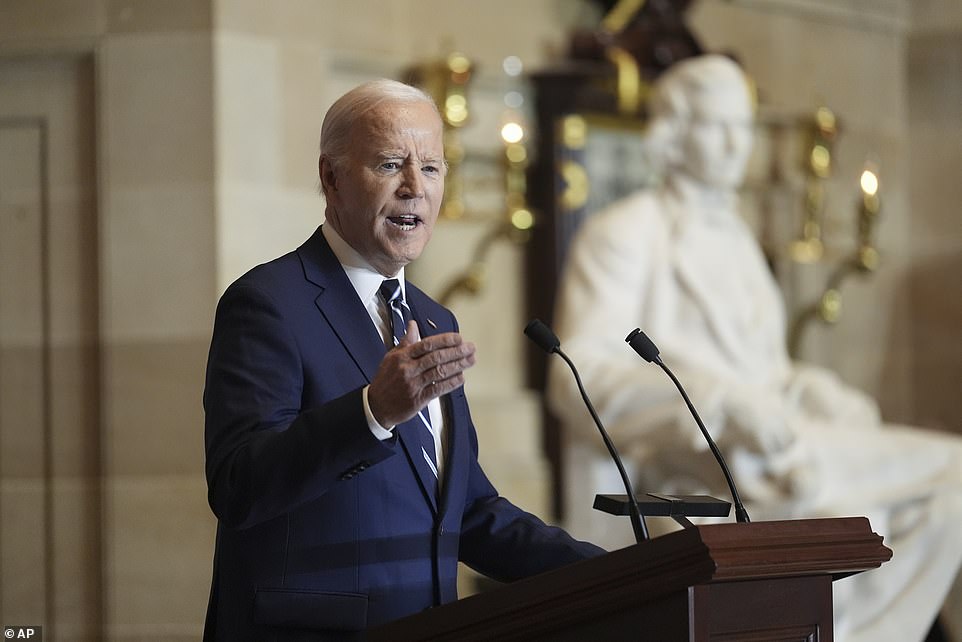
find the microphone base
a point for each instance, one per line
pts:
(678, 507)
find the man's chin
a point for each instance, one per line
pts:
(398, 256)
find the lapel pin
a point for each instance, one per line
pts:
(432, 324)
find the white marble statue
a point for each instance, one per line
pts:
(680, 263)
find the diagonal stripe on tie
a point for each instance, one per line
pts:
(400, 316)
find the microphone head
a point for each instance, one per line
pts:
(641, 344)
(541, 334)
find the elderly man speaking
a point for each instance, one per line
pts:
(342, 462)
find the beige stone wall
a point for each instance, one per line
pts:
(153, 290)
(49, 424)
(205, 125)
(157, 283)
(932, 289)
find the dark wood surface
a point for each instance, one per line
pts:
(764, 580)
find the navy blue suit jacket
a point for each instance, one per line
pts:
(322, 529)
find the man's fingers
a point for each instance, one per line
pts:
(417, 371)
(443, 363)
(436, 342)
(444, 368)
(440, 388)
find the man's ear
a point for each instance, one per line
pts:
(325, 171)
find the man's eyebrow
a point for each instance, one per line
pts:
(395, 154)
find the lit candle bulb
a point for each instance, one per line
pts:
(868, 211)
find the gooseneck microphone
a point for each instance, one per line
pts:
(644, 346)
(548, 341)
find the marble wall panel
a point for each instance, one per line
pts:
(157, 241)
(153, 407)
(148, 16)
(159, 536)
(76, 563)
(23, 554)
(931, 288)
(33, 25)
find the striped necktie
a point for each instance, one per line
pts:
(400, 315)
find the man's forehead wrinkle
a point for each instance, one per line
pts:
(398, 131)
(422, 155)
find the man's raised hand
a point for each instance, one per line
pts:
(416, 371)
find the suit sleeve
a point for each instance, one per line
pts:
(504, 542)
(265, 453)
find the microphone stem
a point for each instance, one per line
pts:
(637, 522)
(741, 515)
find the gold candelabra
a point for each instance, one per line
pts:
(822, 132)
(518, 220)
(827, 308)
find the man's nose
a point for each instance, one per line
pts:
(412, 183)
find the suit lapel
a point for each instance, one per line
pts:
(340, 306)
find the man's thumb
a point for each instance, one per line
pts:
(413, 334)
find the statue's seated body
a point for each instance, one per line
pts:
(679, 262)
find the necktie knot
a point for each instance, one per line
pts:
(391, 290)
(400, 313)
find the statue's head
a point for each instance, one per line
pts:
(701, 120)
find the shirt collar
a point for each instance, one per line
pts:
(365, 279)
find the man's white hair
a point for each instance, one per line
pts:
(346, 110)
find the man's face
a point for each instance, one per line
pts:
(383, 198)
(718, 140)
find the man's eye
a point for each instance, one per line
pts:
(391, 165)
(430, 168)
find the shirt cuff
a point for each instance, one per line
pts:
(377, 429)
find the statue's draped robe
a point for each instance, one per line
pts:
(680, 263)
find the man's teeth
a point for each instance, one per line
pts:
(405, 222)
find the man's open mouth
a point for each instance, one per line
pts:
(405, 221)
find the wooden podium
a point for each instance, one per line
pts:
(763, 581)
